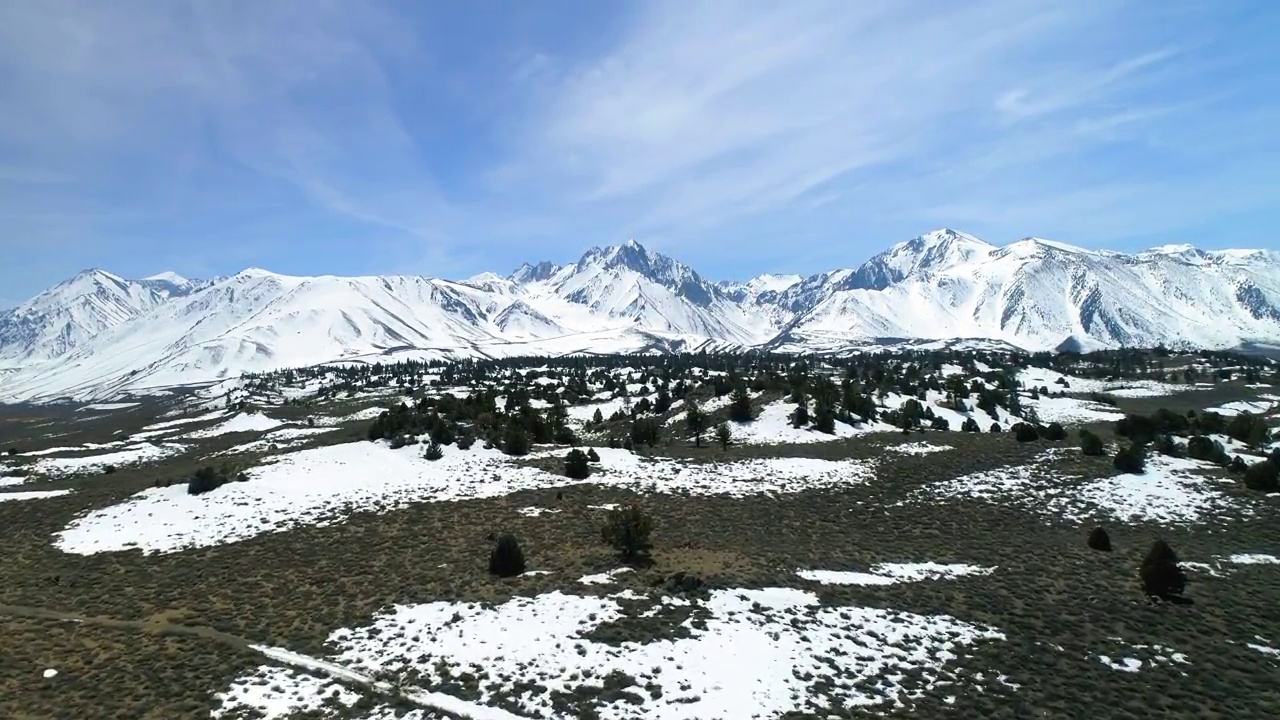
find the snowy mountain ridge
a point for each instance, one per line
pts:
(99, 335)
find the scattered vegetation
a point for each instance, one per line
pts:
(209, 478)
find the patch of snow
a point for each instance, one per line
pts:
(31, 494)
(368, 413)
(132, 455)
(536, 511)
(1253, 407)
(603, 578)
(244, 422)
(108, 406)
(1130, 665)
(773, 427)
(186, 421)
(893, 573)
(1070, 411)
(802, 654)
(1170, 491)
(324, 485)
(49, 673)
(1253, 559)
(918, 448)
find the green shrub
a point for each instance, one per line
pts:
(627, 531)
(1099, 540)
(576, 465)
(1055, 432)
(1090, 443)
(1131, 459)
(515, 441)
(1160, 574)
(1025, 432)
(1262, 476)
(433, 451)
(592, 455)
(506, 559)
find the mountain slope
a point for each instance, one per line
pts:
(98, 335)
(69, 313)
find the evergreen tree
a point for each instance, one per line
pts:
(515, 441)
(1099, 540)
(724, 435)
(1131, 460)
(506, 559)
(1262, 476)
(1160, 573)
(597, 418)
(740, 405)
(576, 465)
(1090, 443)
(696, 420)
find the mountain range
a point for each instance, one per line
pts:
(99, 335)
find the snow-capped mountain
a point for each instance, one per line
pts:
(60, 318)
(98, 335)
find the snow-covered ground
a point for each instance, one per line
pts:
(282, 439)
(1071, 411)
(918, 448)
(167, 424)
(894, 573)
(108, 407)
(31, 494)
(1135, 657)
(1044, 377)
(130, 455)
(243, 422)
(323, 485)
(1170, 491)
(773, 427)
(1255, 407)
(760, 654)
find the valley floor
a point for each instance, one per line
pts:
(866, 573)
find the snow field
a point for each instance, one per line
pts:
(1170, 491)
(140, 453)
(323, 485)
(746, 662)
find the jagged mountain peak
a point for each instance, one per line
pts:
(527, 273)
(931, 252)
(99, 332)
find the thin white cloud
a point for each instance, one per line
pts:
(721, 111)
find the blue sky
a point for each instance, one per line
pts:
(330, 136)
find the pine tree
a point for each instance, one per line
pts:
(597, 418)
(696, 420)
(740, 405)
(724, 435)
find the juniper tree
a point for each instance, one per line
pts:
(1160, 573)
